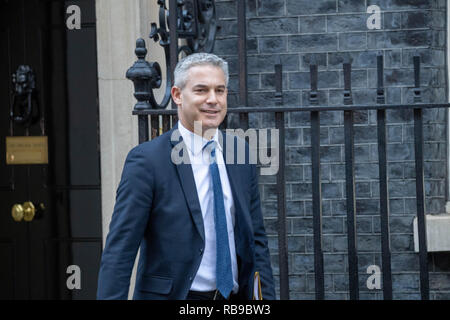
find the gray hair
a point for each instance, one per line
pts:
(198, 59)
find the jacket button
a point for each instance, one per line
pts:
(201, 251)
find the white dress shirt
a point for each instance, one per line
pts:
(205, 279)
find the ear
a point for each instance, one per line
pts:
(176, 95)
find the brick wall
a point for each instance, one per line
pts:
(334, 31)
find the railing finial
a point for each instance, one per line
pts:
(417, 90)
(347, 83)
(279, 82)
(144, 75)
(313, 99)
(380, 86)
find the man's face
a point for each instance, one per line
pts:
(203, 98)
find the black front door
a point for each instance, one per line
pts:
(50, 223)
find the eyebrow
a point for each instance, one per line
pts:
(206, 86)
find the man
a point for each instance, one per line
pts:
(198, 221)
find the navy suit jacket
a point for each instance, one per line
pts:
(157, 210)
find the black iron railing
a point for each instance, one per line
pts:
(162, 120)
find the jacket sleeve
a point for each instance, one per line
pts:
(126, 230)
(262, 256)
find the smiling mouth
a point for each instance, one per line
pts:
(210, 111)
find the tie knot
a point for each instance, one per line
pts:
(210, 147)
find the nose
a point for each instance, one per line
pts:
(212, 97)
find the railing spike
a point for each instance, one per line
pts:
(380, 87)
(347, 83)
(313, 98)
(417, 90)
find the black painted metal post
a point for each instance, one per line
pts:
(155, 126)
(143, 128)
(174, 119)
(281, 197)
(316, 189)
(281, 188)
(173, 38)
(420, 193)
(165, 123)
(384, 195)
(242, 55)
(350, 186)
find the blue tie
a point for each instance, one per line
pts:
(224, 275)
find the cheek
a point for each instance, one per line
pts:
(224, 102)
(190, 107)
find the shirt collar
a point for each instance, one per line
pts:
(194, 142)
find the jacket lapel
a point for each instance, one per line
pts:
(189, 189)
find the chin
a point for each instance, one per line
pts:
(207, 126)
(208, 123)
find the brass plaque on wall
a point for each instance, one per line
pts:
(27, 150)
